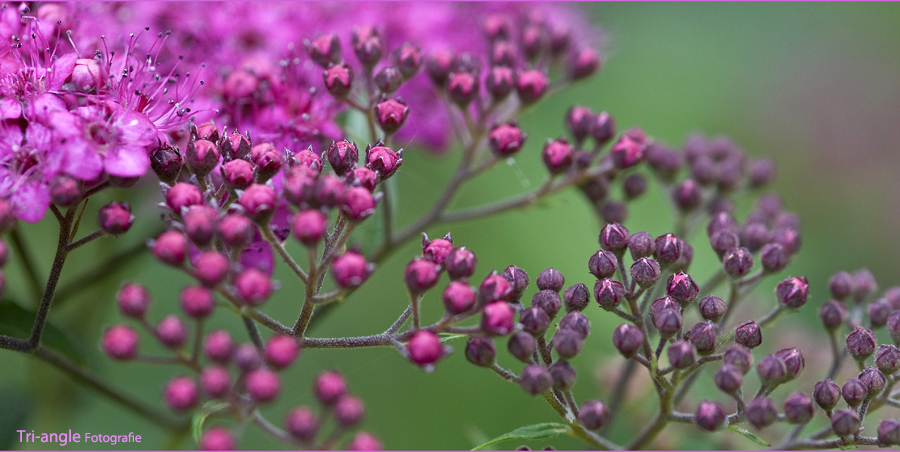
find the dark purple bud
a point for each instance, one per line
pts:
(748, 334)
(682, 287)
(629, 149)
(887, 359)
(302, 424)
(458, 297)
(522, 346)
(729, 378)
(609, 293)
(171, 332)
(197, 302)
(793, 361)
(634, 186)
(531, 86)
(65, 191)
(497, 319)
(517, 279)
(201, 157)
(687, 195)
(754, 236)
(864, 284)
(664, 161)
(833, 314)
(628, 339)
(115, 218)
(613, 212)
(892, 296)
(350, 270)
(722, 221)
(560, 39)
(583, 63)
(438, 66)
(703, 336)
(704, 170)
(358, 204)
(845, 422)
(668, 249)
(338, 80)
(535, 379)
(343, 156)
(120, 343)
(789, 238)
(739, 356)
(614, 237)
(641, 244)
(774, 257)
(551, 279)
(712, 308)
(761, 412)
(710, 416)
(200, 224)
(854, 392)
(579, 121)
(841, 285)
(218, 346)
(827, 394)
(861, 343)
(495, 287)
(563, 375)
(500, 82)
(180, 393)
(792, 292)
(738, 262)
(324, 49)
(329, 387)
(462, 88)
(281, 351)
(668, 322)
(299, 185)
(893, 326)
(460, 263)
(388, 79)
(874, 380)
(166, 162)
(133, 300)
(879, 311)
(367, 46)
(211, 268)
(480, 351)
(557, 156)
(383, 160)
(724, 241)
(534, 321)
(567, 343)
(771, 370)
(576, 297)
(425, 348)
(215, 381)
(349, 411)
(602, 264)
(595, 188)
(889, 432)
(762, 172)
(577, 322)
(408, 59)
(259, 202)
(391, 114)
(593, 415)
(681, 354)
(549, 301)
(603, 128)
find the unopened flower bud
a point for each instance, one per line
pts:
(576, 297)
(603, 128)
(497, 319)
(215, 381)
(166, 162)
(253, 286)
(500, 82)
(609, 293)
(833, 314)
(584, 63)
(522, 346)
(197, 302)
(388, 80)
(567, 343)
(133, 300)
(641, 244)
(603, 264)
(893, 326)
(634, 186)
(343, 156)
(754, 236)
(171, 332)
(547, 300)
(681, 354)
(841, 285)
(200, 224)
(771, 370)
(238, 174)
(827, 394)
(201, 157)
(218, 346)
(879, 311)
(551, 279)
(302, 424)
(338, 80)
(889, 432)
(364, 441)
(458, 297)
(506, 139)
(557, 156)
(614, 237)
(180, 393)
(246, 358)
(682, 287)
(425, 348)
(628, 339)
(65, 191)
(579, 121)
(211, 268)
(668, 322)
(324, 49)
(481, 351)
(593, 415)
(350, 270)
(383, 160)
(703, 336)
(367, 46)
(854, 392)
(762, 172)
(887, 359)
(421, 275)
(563, 375)
(748, 334)
(738, 262)
(391, 114)
(534, 321)
(729, 378)
(531, 86)
(761, 412)
(517, 279)
(789, 238)
(792, 292)
(668, 249)
(115, 218)
(712, 308)
(438, 66)
(349, 411)
(310, 226)
(861, 343)
(740, 357)
(120, 343)
(330, 191)
(892, 296)
(535, 379)
(793, 361)
(408, 59)
(358, 204)
(614, 212)
(329, 387)
(629, 149)
(687, 195)
(845, 422)
(462, 88)
(864, 284)
(263, 385)
(710, 416)
(874, 381)
(774, 257)
(494, 287)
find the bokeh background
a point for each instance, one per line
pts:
(814, 86)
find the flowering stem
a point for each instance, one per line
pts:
(505, 374)
(87, 239)
(251, 330)
(271, 429)
(267, 234)
(27, 262)
(544, 350)
(415, 301)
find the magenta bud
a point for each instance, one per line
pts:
(211, 268)
(495, 287)
(349, 411)
(364, 441)
(739, 356)
(614, 237)
(628, 339)
(324, 49)
(365, 177)
(253, 286)
(425, 348)
(197, 302)
(668, 249)
(238, 174)
(703, 336)
(480, 351)
(593, 415)
(729, 378)
(268, 161)
(408, 59)
(115, 218)
(535, 379)
(506, 139)
(748, 334)
(391, 114)
(629, 149)
(383, 160)
(310, 226)
(217, 438)
(201, 157)
(120, 343)
(462, 88)
(500, 82)
(583, 63)
(438, 66)
(65, 191)
(358, 204)
(551, 279)
(338, 80)
(534, 321)
(133, 300)
(845, 422)
(259, 202)
(827, 394)
(737, 262)
(563, 375)
(421, 275)
(503, 54)
(200, 224)
(854, 392)
(889, 432)
(329, 387)
(579, 121)
(771, 370)
(307, 158)
(497, 319)
(388, 79)
(171, 332)
(460, 263)
(879, 311)
(531, 86)
(609, 293)
(874, 380)
(645, 272)
(887, 359)
(793, 361)
(330, 191)
(215, 381)
(263, 385)
(235, 230)
(710, 416)
(681, 354)
(517, 279)
(302, 424)
(218, 346)
(458, 297)
(281, 351)
(367, 46)
(712, 308)
(603, 128)
(522, 346)
(576, 297)
(557, 156)
(761, 412)
(350, 270)
(497, 26)
(181, 393)
(166, 162)
(682, 287)
(861, 343)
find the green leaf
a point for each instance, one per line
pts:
(200, 417)
(17, 321)
(536, 431)
(447, 337)
(748, 435)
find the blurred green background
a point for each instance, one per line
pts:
(814, 86)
